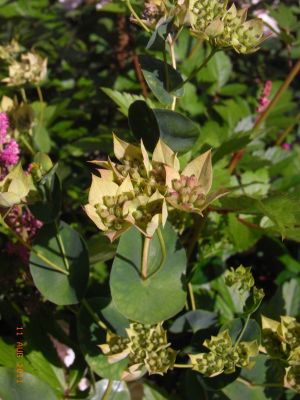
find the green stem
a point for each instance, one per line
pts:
(195, 72)
(23, 94)
(62, 247)
(94, 315)
(40, 94)
(144, 268)
(30, 248)
(136, 16)
(174, 65)
(192, 297)
(27, 145)
(242, 331)
(108, 390)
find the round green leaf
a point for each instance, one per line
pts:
(178, 131)
(31, 388)
(119, 391)
(162, 294)
(162, 79)
(52, 242)
(90, 335)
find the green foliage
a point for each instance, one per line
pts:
(161, 283)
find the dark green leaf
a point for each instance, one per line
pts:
(162, 79)
(143, 124)
(193, 321)
(91, 335)
(158, 38)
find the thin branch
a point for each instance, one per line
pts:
(94, 315)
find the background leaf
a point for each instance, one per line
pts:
(55, 286)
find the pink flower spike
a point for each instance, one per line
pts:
(10, 153)
(4, 125)
(267, 89)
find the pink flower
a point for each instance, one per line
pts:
(10, 153)
(4, 125)
(286, 146)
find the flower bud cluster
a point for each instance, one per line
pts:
(23, 68)
(187, 192)
(223, 356)
(146, 348)
(113, 212)
(26, 226)
(224, 28)
(282, 340)
(140, 192)
(241, 277)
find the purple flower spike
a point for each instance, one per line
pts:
(4, 125)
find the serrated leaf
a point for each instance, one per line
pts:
(124, 99)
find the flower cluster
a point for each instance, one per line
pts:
(282, 340)
(240, 282)
(241, 277)
(28, 67)
(26, 226)
(223, 356)
(146, 348)
(264, 100)
(9, 148)
(135, 191)
(212, 21)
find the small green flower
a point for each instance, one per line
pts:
(223, 355)
(15, 187)
(240, 277)
(146, 348)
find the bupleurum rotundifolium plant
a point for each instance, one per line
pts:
(137, 191)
